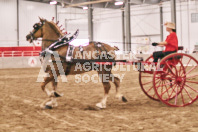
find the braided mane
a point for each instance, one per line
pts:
(55, 28)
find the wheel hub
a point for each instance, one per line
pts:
(163, 76)
(179, 80)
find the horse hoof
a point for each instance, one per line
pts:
(57, 95)
(48, 107)
(100, 106)
(124, 99)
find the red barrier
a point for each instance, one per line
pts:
(19, 51)
(20, 48)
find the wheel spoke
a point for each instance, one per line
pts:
(176, 96)
(191, 88)
(167, 91)
(180, 69)
(191, 82)
(187, 64)
(173, 90)
(191, 76)
(163, 78)
(166, 84)
(157, 86)
(186, 67)
(154, 95)
(170, 75)
(162, 89)
(188, 94)
(170, 68)
(182, 97)
(190, 70)
(149, 89)
(147, 82)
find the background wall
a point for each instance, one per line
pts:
(28, 16)
(73, 19)
(145, 22)
(8, 25)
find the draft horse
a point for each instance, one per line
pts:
(50, 32)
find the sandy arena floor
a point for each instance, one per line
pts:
(21, 96)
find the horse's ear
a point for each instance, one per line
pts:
(41, 20)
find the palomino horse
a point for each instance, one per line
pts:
(50, 32)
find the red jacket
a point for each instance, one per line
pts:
(172, 42)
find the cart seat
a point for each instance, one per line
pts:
(180, 48)
(176, 57)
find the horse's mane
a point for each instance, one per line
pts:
(55, 28)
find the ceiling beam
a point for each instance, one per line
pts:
(88, 3)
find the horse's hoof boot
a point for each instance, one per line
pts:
(48, 107)
(56, 94)
(124, 99)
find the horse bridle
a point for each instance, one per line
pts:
(36, 28)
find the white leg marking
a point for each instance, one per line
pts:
(102, 104)
(44, 102)
(47, 92)
(118, 94)
(52, 102)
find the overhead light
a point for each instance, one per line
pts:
(85, 8)
(119, 3)
(53, 2)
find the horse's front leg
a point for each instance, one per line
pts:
(54, 92)
(43, 84)
(51, 101)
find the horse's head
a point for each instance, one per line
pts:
(37, 31)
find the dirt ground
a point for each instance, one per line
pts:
(21, 96)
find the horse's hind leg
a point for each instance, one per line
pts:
(107, 87)
(116, 81)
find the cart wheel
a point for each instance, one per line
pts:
(182, 70)
(146, 82)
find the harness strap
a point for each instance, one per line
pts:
(69, 55)
(98, 47)
(81, 49)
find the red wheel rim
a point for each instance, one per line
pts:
(146, 82)
(184, 75)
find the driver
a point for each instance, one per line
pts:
(170, 44)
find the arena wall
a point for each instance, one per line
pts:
(19, 62)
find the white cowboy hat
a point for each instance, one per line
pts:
(170, 25)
